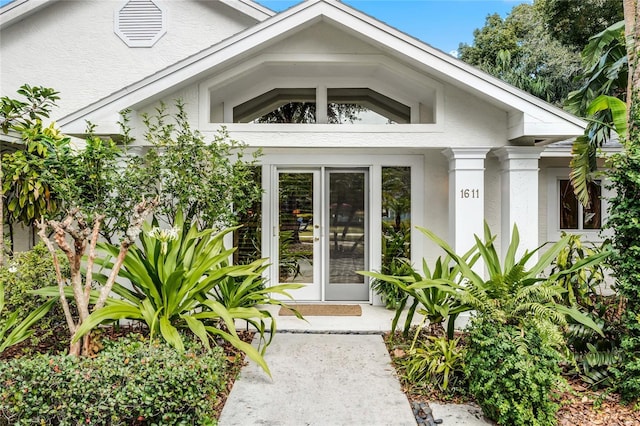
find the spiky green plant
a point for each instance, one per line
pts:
(172, 274)
(432, 294)
(513, 290)
(13, 331)
(438, 361)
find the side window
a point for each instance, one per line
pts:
(573, 215)
(566, 214)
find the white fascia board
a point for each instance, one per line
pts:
(424, 57)
(20, 9)
(523, 125)
(250, 8)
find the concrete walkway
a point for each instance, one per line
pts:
(320, 379)
(328, 379)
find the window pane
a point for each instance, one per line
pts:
(278, 106)
(568, 206)
(295, 215)
(364, 106)
(248, 238)
(348, 227)
(592, 215)
(396, 219)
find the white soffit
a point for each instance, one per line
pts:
(517, 103)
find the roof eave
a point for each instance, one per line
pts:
(400, 44)
(18, 10)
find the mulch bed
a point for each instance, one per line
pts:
(578, 404)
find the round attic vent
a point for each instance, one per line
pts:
(140, 23)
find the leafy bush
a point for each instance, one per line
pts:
(512, 372)
(624, 211)
(595, 356)
(582, 287)
(133, 381)
(24, 272)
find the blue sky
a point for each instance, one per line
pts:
(444, 24)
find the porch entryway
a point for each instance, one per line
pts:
(322, 232)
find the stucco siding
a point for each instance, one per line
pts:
(436, 204)
(321, 38)
(471, 122)
(493, 196)
(71, 46)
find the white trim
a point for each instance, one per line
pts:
(20, 9)
(374, 163)
(250, 8)
(553, 177)
(545, 118)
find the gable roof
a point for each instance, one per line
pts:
(19, 9)
(529, 117)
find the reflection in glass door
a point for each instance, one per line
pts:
(299, 232)
(347, 234)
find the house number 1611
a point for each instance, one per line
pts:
(469, 193)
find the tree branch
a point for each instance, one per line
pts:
(97, 222)
(42, 232)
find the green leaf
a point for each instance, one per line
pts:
(618, 112)
(170, 334)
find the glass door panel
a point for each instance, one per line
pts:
(347, 235)
(298, 232)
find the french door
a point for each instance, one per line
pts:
(323, 232)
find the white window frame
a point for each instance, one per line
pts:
(554, 176)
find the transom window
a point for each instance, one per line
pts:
(333, 106)
(278, 106)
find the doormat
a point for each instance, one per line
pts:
(323, 310)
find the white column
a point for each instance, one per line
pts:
(466, 196)
(519, 185)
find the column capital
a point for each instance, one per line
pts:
(519, 157)
(466, 153)
(519, 152)
(466, 158)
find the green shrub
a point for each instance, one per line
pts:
(624, 211)
(132, 381)
(512, 372)
(24, 272)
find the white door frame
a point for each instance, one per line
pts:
(272, 162)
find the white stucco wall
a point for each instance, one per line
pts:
(71, 46)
